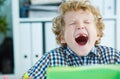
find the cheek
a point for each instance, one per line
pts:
(68, 34)
(94, 29)
(93, 32)
(65, 36)
(69, 30)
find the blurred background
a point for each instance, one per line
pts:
(25, 31)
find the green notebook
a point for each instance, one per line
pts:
(85, 72)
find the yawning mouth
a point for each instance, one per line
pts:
(82, 39)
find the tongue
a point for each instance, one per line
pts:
(82, 40)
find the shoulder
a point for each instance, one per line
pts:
(109, 54)
(57, 56)
(51, 58)
(106, 48)
(109, 51)
(56, 52)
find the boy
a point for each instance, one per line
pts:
(78, 30)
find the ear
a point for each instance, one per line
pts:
(62, 39)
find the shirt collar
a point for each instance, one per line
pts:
(69, 51)
(93, 50)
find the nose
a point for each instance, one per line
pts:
(80, 26)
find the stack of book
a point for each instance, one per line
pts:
(34, 2)
(46, 8)
(40, 11)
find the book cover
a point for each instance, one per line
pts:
(85, 72)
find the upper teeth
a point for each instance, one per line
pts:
(81, 35)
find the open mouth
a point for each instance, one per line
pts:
(82, 39)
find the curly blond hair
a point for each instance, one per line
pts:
(59, 24)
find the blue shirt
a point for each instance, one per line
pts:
(64, 56)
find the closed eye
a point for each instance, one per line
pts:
(73, 23)
(87, 22)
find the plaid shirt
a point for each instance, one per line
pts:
(64, 56)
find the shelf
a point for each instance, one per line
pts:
(24, 20)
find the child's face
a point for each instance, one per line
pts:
(80, 31)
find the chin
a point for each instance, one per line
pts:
(83, 50)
